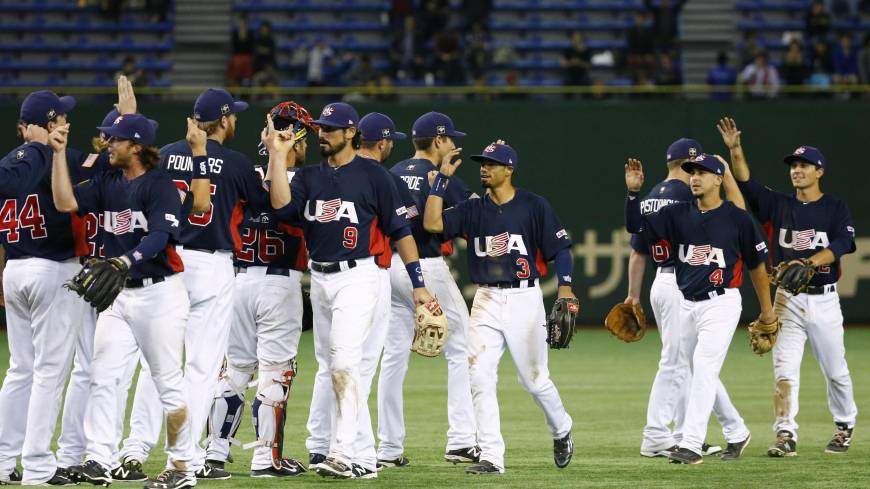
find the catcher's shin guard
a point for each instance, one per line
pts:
(269, 408)
(227, 408)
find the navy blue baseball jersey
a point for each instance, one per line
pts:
(31, 226)
(415, 177)
(508, 242)
(798, 229)
(711, 247)
(346, 212)
(267, 242)
(131, 209)
(662, 195)
(93, 164)
(234, 185)
(23, 167)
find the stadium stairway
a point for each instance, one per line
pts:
(707, 26)
(202, 40)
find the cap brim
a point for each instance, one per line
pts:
(239, 106)
(322, 122)
(482, 158)
(691, 165)
(110, 131)
(456, 134)
(399, 135)
(788, 160)
(67, 102)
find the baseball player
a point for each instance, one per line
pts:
(71, 444)
(208, 238)
(807, 225)
(41, 246)
(434, 135)
(712, 238)
(668, 394)
(512, 234)
(346, 206)
(141, 208)
(267, 323)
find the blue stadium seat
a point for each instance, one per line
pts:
(54, 64)
(345, 44)
(550, 5)
(338, 26)
(771, 5)
(308, 5)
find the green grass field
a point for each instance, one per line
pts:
(604, 384)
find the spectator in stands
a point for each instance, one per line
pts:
(639, 48)
(667, 73)
(478, 54)
(318, 57)
(794, 64)
(399, 10)
(447, 63)
(576, 62)
(864, 61)
(845, 61)
(406, 55)
(818, 20)
(821, 60)
(665, 22)
(337, 68)
(433, 18)
(760, 77)
(137, 76)
(722, 75)
(363, 73)
(748, 48)
(264, 48)
(241, 64)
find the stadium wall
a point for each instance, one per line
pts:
(573, 153)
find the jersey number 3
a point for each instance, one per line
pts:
(12, 220)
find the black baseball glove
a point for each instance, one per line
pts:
(100, 281)
(560, 323)
(793, 276)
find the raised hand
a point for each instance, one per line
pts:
(633, 175)
(58, 138)
(196, 138)
(126, 98)
(730, 134)
(448, 167)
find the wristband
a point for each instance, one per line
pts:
(416, 274)
(200, 167)
(439, 186)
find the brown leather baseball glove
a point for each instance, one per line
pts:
(626, 322)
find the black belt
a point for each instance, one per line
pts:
(513, 285)
(820, 289)
(705, 296)
(202, 250)
(285, 272)
(331, 267)
(137, 283)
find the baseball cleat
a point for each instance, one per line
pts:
(707, 449)
(130, 470)
(485, 467)
(468, 455)
(360, 472)
(685, 456)
(785, 445)
(734, 450)
(172, 479)
(396, 462)
(334, 468)
(12, 478)
(61, 477)
(658, 453)
(841, 440)
(212, 470)
(315, 459)
(289, 468)
(563, 450)
(91, 472)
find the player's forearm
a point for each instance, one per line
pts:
(732, 191)
(738, 164)
(761, 284)
(407, 249)
(279, 186)
(201, 190)
(432, 216)
(61, 185)
(822, 258)
(636, 267)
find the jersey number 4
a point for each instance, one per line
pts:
(268, 247)
(716, 277)
(12, 220)
(201, 219)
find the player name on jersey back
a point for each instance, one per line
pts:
(662, 195)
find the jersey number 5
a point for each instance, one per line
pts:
(11, 220)
(201, 219)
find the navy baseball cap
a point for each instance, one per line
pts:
(376, 126)
(42, 106)
(110, 118)
(433, 124)
(338, 114)
(215, 103)
(684, 149)
(135, 127)
(704, 162)
(806, 153)
(499, 153)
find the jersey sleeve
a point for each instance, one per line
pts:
(89, 194)
(761, 199)
(843, 236)
(163, 207)
(291, 212)
(405, 197)
(639, 244)
(24, 172)
(252, 190)
(457, 220)
(753, 248)
(553, 236)
(391, 209)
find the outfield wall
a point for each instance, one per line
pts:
(573, 153)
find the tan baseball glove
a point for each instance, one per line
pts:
(762, 336)
(626, 322)
(430, 329)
